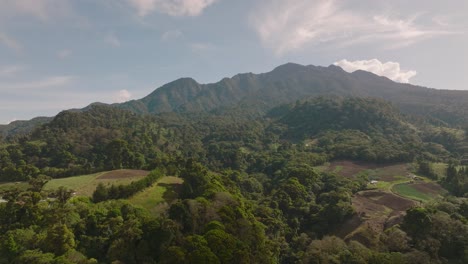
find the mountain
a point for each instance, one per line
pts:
(290, 82)
(258, 93)
(299, 165)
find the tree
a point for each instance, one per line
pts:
(37, 183)
(35, 256)
(196, 180)
(417, 222)
(100, 194)
(9, 248)
(59, 240)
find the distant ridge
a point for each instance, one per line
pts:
(285, 84)
(23, 126)
(290, 82)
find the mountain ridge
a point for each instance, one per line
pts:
(287, 83)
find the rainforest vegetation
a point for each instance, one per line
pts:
(251, 193)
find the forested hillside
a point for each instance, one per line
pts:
(290, 82)
(259, 93)
(253, 155)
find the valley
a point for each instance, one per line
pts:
(230, 173)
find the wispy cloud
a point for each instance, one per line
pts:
(10, 70)
(63, 54)
(10, 42)
(30, 86)
(112, 39)
(171, 7)
(389, 69)
(171, 35)
(200, 47)
(288, 25)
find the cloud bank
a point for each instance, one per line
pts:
(171, 7)
(389, 69)
(288, 25)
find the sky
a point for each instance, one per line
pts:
(62, 54)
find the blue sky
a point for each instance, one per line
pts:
(61, 54)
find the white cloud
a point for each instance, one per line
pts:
(288, 25)
(10, 42)
(63, 54)
(389, 69)
(46, 83)
(10, 70)
(171, 7)
(112, 39)
(122, 96)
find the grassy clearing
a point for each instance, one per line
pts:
(13, 185)
(86, 184)
(157, 197)
(408, 191)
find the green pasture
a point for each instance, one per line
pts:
(406, 190)
(157, 197)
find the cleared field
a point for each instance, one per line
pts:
(122, 174)
(158, 197)
(353, 169)
(13, 185)
(385, 201)
(420, 191)
(86, 184)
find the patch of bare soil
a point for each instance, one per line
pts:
(123, 174)
(384, 172)
(350, 168)
(396, 203)
(388, 173)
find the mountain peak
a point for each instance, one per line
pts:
(185, 80)
(369, 76)
(289, 68)
(334, 67)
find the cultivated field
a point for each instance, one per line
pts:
(419, 191)
(86, 184)
(394, 189)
